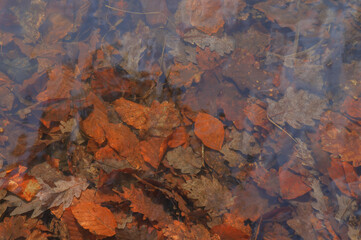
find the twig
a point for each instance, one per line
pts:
(281, 129)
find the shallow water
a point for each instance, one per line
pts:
(211, 119)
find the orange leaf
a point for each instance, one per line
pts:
(352, 107)
(153, 150)
(292, 185)
(132, 113)
(231, 233)
(97, 219)
(178, 137)
(74, 230)
(21, 184)
(209, 130)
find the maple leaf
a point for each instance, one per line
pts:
(62, 193)
(210, 194)
(296, 108)
(97, 219)
(209, 130)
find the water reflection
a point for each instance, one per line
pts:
(112, 91)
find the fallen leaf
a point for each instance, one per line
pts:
(352, 107)
(95, 218)
(205, 15)
(132, 113)
(142, 204)
(62, 193)
(153, 150)
(221, 45)
(296, 108)
(209, 194)
(292, 186)
(184, 75)
(185, 160)
(340, 137)
(178, 137)
(345, 177)
(209, 130)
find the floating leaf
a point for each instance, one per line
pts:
(97, 219)
(209, 130)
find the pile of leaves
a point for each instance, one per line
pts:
(180, 119)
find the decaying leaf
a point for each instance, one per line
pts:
(221, 45)
(185, 160)
(62, 193)
(184, 75)
(296, 108)
(209, 194)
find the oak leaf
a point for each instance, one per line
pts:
(296, 108)
(62, 193)
(209, 130)
(210, 194)
(97, 219)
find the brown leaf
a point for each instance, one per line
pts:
(97, 219)
(184, 75)
(206, 15)
(340, 137)
(345, 177)
(142, 204)
(352, 107)
(209, 130)
(61, 82)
